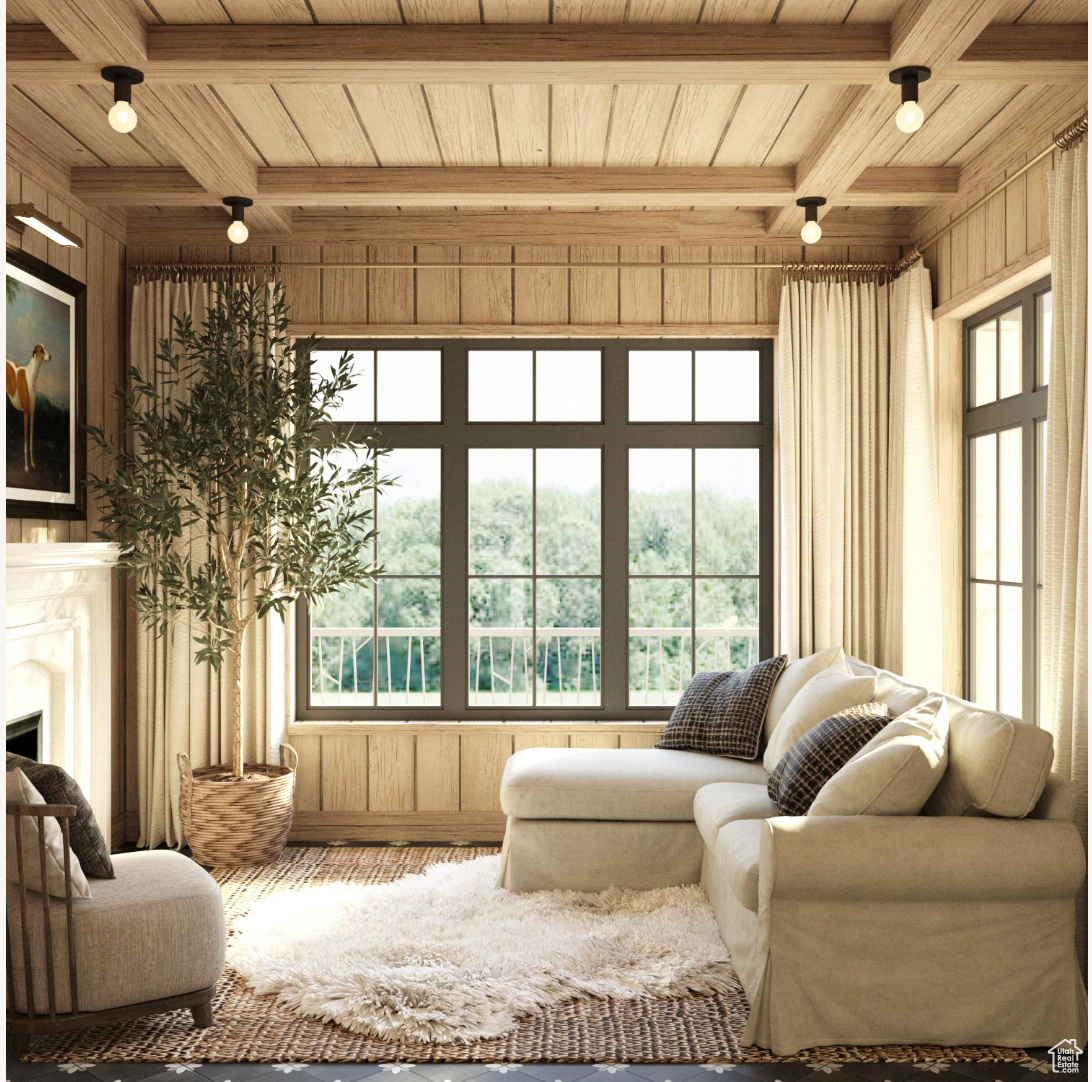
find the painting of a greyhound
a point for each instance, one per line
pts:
(44, 412)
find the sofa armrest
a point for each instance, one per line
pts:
(919, 858)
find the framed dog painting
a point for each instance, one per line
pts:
(46, 401)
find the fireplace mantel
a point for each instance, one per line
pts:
(59, 633)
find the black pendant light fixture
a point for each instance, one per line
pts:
(122, 115)
(910, 116)
(237, 232)
(811, 230)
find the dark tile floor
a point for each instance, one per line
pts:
(818, 1071)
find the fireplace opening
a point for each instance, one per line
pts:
(25, 736)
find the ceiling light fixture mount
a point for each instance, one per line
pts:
(811, 231)
(237, 232)
(27, 214)
(122, 115)
(910, 116)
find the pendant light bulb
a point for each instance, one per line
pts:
(237, 232)
(811, 230)
(122, 115)
(910, 115)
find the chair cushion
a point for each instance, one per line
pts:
(639, 784)
(155, 930)
(820, 753)
(722, 712)
(794, 676)
(997, 765)
(896, 772)
(737, 853)
(725, 802)
(823, 696)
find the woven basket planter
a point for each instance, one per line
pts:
(231, 823)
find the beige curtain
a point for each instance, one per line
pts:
(1065, 532)
(182, 706)
(859, 513)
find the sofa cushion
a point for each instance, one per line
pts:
(896, 772)
(899, 694)
(722, 712)
(737, 853)
(725, 802)
(823, 696)
(820, 753)
(614, 783)
(997, 765)
(794, 676)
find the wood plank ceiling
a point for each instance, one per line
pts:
(704, 159)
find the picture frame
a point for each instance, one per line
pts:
(46, 404)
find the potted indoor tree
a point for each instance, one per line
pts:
(231, 495)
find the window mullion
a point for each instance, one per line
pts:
(454, 537)
(614, 536)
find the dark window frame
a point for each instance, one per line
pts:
(1025, 411)
(614, 435)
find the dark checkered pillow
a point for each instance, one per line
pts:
(722, 712)
(820, 753)
(57, 786)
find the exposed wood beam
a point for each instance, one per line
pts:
(97, 31)
(932, 32)
(199, 225)
(512, 187)
(1050, 53)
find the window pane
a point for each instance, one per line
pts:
(358, 403)
(1009, 489)
(659, 385)
(727, 624)
(499, 483)
(567, 642)
(499, 386)
(984, 346)
(409, 642)
(726, 502)
(408, 517)
(659, 640)
(341, 648)
(1045, 304)
(726, 385)
(1011, 366)
(501, 650)
(567, 509)
(1012, 650)
(409, 385)
(984, 511)
(659, 511)
(568, 385)
(984, 663)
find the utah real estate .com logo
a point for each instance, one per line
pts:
(1065, 1057)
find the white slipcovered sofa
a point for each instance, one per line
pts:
(936, 928)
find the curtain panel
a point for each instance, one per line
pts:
(183, 706)
(860, 529)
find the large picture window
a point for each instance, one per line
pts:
(1007, 351)
(576, 528)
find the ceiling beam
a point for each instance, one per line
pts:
(1047, 53)
(198, 225)
(930, 32)
(327, 186)
(97, 31)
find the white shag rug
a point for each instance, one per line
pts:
(446, 955)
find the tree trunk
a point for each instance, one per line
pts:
(236, 718)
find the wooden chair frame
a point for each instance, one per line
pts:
(23, 1026)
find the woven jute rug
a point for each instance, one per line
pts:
(249, 1027)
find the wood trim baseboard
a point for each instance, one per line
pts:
(536, 330)
(474, 728)
(358, 826)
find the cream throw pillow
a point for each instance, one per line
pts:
(20, 791)
(896, 772)
(824, 695)
(794, 676)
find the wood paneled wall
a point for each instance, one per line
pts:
(100, 264)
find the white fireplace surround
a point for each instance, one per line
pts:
(57, 657)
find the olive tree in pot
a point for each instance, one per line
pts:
(231, 495)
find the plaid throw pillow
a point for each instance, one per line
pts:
(820, 753)
(59, 787)
(722, 712)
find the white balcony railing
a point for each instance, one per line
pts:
(503, 668)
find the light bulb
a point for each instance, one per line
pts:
(811, 232)
(910, 117)
(122, 117)
(237, 232)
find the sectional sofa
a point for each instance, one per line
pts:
(953, 926)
